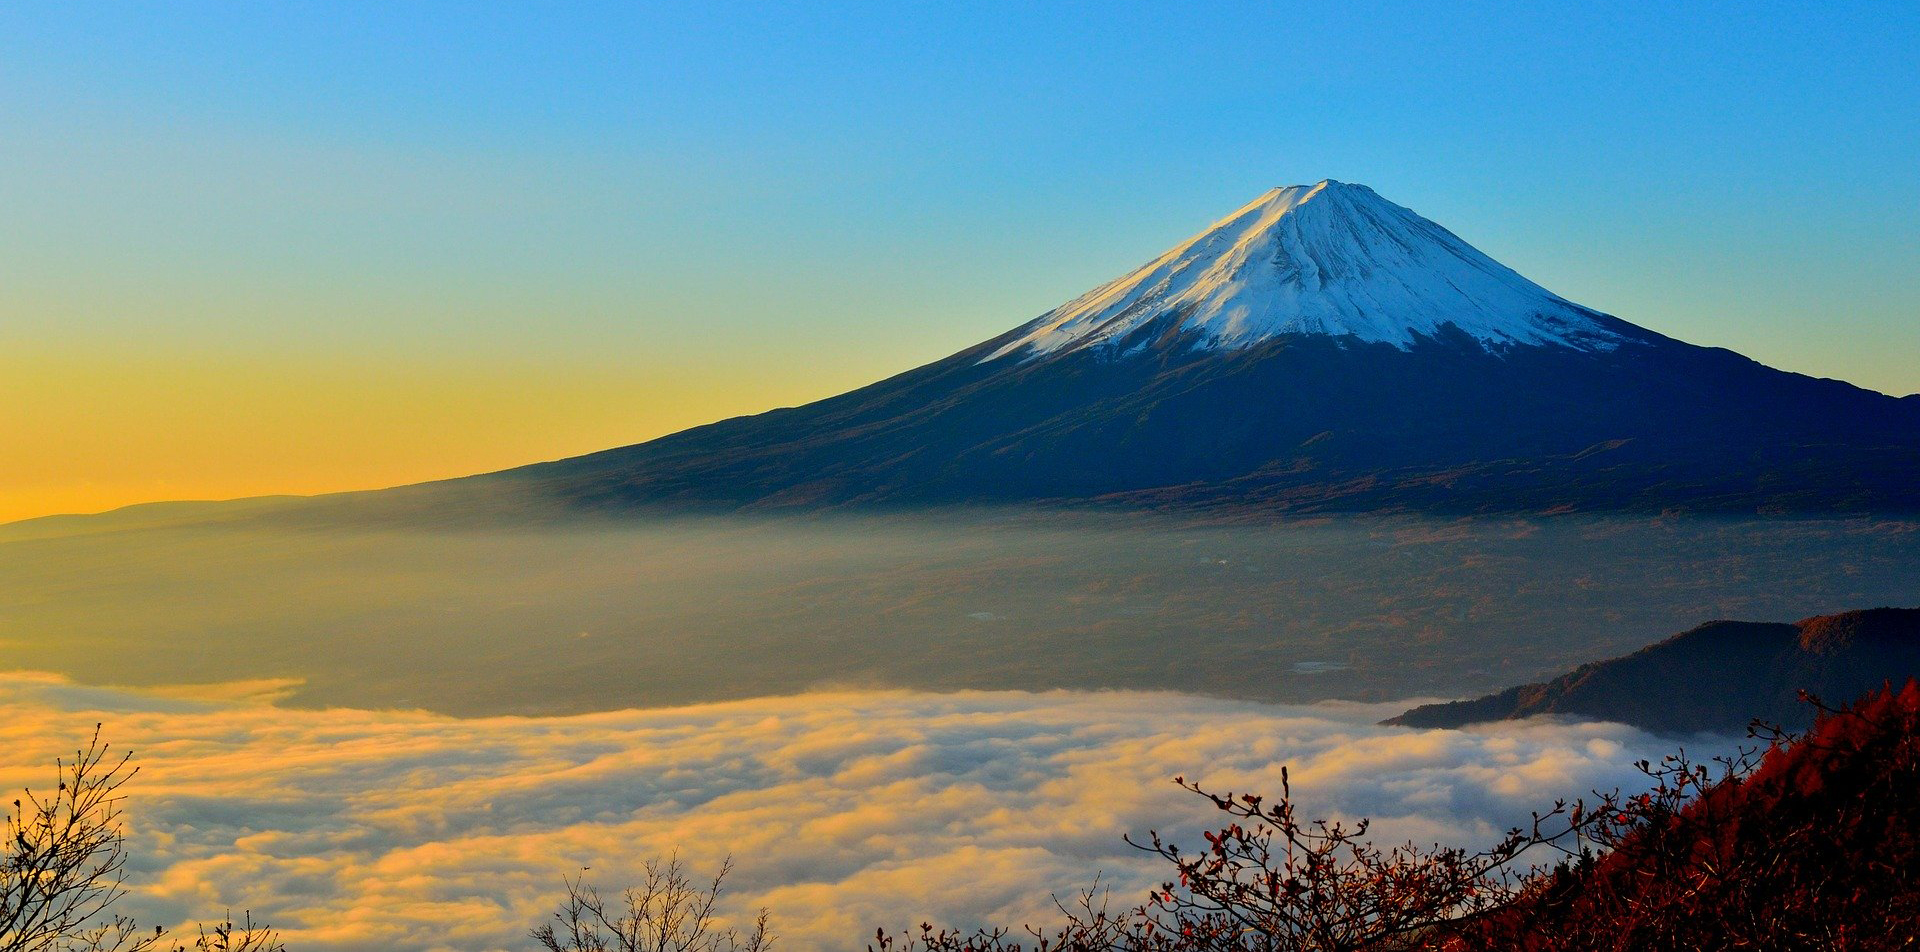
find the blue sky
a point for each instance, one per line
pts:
(704, 209)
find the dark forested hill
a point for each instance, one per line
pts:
(1717, 677)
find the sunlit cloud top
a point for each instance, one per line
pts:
(362, 830)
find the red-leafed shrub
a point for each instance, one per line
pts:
(1817, 848)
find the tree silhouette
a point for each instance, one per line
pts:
(63, 865)
(667, 912)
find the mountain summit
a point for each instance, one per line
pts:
(1321, 349)
(1330, 258)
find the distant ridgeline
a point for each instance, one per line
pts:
(1717, 677)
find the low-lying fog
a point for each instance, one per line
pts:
(636, 613)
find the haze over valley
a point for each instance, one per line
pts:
(600, 613)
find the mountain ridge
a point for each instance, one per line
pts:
(1718, 676)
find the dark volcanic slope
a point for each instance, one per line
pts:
(1717, 677)
(1300, 423)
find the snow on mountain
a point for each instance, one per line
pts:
(1330, 258)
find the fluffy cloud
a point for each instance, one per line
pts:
(365, 830)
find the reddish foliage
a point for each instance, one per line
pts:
(1819, 848)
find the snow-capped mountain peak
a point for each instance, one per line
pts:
(1329, 258)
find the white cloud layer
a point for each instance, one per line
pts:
(365, 830)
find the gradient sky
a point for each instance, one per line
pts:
(295, 247)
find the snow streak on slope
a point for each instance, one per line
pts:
(1330, 258)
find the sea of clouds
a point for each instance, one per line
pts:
(383, 830)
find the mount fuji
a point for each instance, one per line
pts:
(1321, 349)
(1329, 259)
